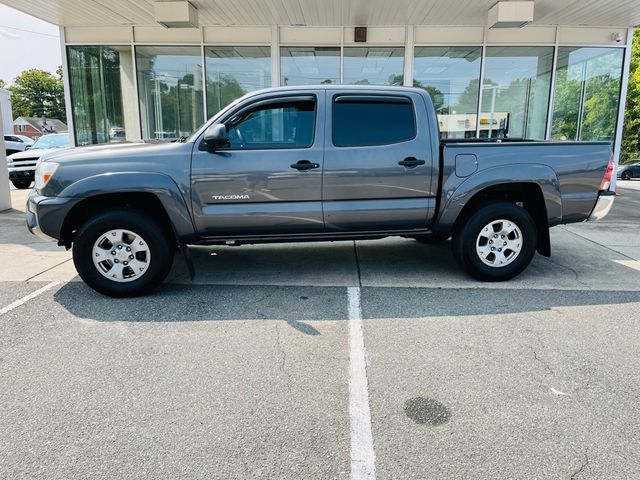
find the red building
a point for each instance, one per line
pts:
(34, 127)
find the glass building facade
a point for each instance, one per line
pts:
(164, 92)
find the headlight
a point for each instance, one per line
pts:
(44, 172)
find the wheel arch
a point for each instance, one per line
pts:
(153, 193)
(536, 186)
(529, 195)
(88, 207)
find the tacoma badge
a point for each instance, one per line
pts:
(231, 197)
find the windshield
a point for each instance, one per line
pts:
(52, 141)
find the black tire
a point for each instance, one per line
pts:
(22, 184)
(158, 241)
(627, 175)
(432, 239)
(467, 234)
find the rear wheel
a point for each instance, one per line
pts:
(122, 253)
(496, 242)
(21, 184)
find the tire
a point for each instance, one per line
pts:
(154, 258)
(477, 232)
(627, 175)
(22, 184)
(432, 239)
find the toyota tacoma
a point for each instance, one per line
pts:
(315, 163)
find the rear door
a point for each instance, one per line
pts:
(378, 162)
(268, 179)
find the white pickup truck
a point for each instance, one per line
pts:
(22, 165)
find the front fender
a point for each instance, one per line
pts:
(158, 184)
(456, 196)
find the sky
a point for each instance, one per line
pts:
(26, 42)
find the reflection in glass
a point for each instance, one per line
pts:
(234, 71)
(373, 65)
(451, 75)
(101, 81)
(309, 65)
(515, 92)
(587, 93)
(170, 88)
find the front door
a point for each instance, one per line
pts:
(379, 164)
(268, 179)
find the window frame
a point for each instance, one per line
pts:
(389, 98)
(274, 101)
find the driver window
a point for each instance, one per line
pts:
(286, 124)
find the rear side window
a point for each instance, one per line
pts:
(368, 120)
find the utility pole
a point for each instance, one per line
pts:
(5, 195)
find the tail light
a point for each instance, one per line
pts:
(608, 174)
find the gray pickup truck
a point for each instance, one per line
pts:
(310, 164)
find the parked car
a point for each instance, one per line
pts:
(16, 143)
(628, 171)
(22, 165)
(117, 135)
(315, 163)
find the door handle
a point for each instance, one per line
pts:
(305, 165)
(410, 162)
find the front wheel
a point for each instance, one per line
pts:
(627, 175)
(122, 253)
(496, 242)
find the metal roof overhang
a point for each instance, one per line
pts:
(619, 13)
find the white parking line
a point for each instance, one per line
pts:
(26, 298)
(363, 459)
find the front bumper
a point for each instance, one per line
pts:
(45, 215)
(22, 175)
(603, 206)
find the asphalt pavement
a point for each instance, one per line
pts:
(247, 372)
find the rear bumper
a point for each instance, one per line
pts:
(603, 206)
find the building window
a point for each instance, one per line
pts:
(373, 65)
(587, 93)
(234, 71)
(102, 94)
(22, 128)
(309, 65)
(170, 91)
(515, 92)
(451, 75)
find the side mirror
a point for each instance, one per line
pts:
(216, 136)
(28, 147)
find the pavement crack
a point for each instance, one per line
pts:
(541, 360)
(47, 270)
(566, 267)
(283, 359)
(584, 465)
(355, 253)
(596, 243)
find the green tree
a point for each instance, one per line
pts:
(38, 93)
(221, 91)
(631, 135)
(2, 83)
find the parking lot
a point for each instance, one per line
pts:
(323, 361)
